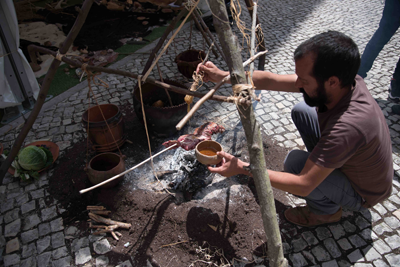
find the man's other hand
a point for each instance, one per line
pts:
(229, 166)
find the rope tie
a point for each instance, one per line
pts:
(59, 56)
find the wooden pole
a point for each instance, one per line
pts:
(204, 34)
(45, 88)
(167, 86)
(253, 135)
(260, 36)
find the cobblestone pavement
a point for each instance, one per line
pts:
(32, 231)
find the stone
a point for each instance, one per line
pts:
(37, 194)
(381, 246)
(12, 245)
(102, 261)
(392, 221)
(57, 240)
(29, 236)
(7, 205)
(380, 209)
(12, 229)
(30, 222)
(320, 253)
(362, 223)
(12, 259)
(310, 238)
(29, 250)
(337, 231)
(344, 263)
(29, 262)
(298, 259)
(348, 227)
(393, 241)
(44, 229)
(298, 244)
(344, 244)
(83, 256)
(79, 243)
(44, 259)
(42, 244)
(11, 215)
(27, 207)
(66, 261)
(309, 256)
(102, 246)
(370, 253)
(381, 229)
(331, 263)
(57, 225)
(71, 230)
(357, 241)
(127, 263)
(332, 247)
(49, 213)
(380, 263)
(355, 256)
(393, 259)
(323, 233)
(59, 253)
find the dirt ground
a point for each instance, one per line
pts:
(168, 231)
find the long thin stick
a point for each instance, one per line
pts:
(169, 42)
(204, 35)
(211, 92)
(125, 172)
(167, 86)
(253, 38)
(162, 80)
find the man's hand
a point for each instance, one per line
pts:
(229, 165)
(211, 72)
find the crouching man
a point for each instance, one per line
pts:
(348, 162)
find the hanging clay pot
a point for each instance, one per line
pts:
(161, 119)
(103, 167)
(188, 60)
(100, 134)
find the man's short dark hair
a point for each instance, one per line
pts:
(335, 54)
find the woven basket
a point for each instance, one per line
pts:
(188, 60)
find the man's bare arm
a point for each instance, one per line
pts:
(264, 80)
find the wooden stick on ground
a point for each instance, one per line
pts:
(100, 219)
(198, 104)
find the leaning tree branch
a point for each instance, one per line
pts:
(253, 135)
(45, 88)
(169, 87)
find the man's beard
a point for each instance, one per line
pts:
(319, 101)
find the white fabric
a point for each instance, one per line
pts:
(6, 96)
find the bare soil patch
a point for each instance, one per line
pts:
(168, 231)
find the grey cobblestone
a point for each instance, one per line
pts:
(332, 247)
(337, 231)
(320, 253)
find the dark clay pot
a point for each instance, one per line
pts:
(103, 167)
(160, 120)
(100, 134)
(188, 60)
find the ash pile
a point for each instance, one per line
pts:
(181, 173)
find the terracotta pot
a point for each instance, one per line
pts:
(206, 152)
(188, 60)
(103, 167)
(100, 134)
(160, 120)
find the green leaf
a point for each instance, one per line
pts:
(49, 157)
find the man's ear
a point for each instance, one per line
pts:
(333, 82)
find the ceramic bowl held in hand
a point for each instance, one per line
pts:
(206, 152)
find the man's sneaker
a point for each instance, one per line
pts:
(394, 90)
(304, 217)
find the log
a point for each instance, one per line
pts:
(98, 218)
(253, 135)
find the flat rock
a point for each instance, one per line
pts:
(12, 229)
(83, 256)
(12, 245)
(102, 246)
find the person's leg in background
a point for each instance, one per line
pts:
(388, 26)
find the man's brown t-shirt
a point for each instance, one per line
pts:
(355, 139)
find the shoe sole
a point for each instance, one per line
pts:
(394, 98)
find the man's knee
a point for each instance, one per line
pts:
(298, 110)
(295, 161)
